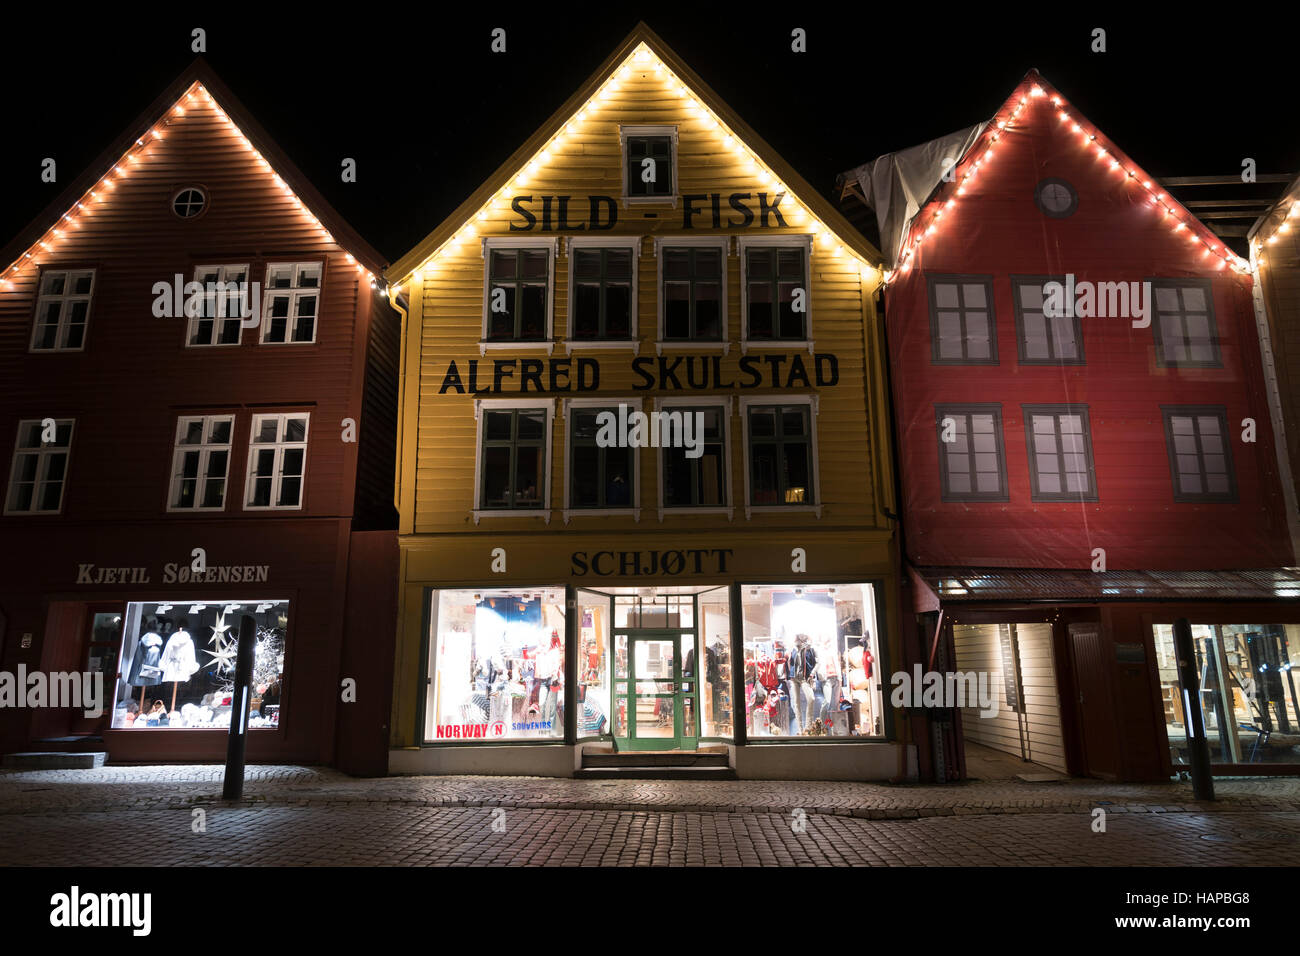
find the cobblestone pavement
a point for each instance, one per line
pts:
(456, 836)
(174, 787)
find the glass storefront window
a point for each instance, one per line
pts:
(715, 678)
(177, 666)
(593, 664)
(1248, 692)
(810, 661)
(497, 665)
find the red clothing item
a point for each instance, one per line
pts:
(766, 669)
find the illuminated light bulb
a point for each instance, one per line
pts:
(839, 250)
(1002, 124)
(961, 190)
(482, 214)
(930, 230)
(532, 166)
(825, 237)
(1284, 228)
(348, 256)
(1061, 115)
(1056, 101)
(1037, 91)
(1075, 128)
(1114, 163)
(1092, 137)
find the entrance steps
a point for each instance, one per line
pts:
(54, 760)
(604, 763)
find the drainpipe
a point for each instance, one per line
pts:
(395, 302)
(1275, 405)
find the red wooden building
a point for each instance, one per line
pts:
(197, 397)
(1085, 447)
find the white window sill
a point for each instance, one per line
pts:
(498, 345)
(604, 345)
(729, 512)
(570, 513)
(787, 344)
(675, 346)
(670, 201)
(750, 510)
(543, 513)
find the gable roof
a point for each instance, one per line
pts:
(1032, 90)
(642, 45)
(196, 80)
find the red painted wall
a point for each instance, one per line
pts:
(1115, 235)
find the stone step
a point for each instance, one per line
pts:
(653, 758)
(655, 773)
(75, 743)
(54, 760)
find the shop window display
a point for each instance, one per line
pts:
(497, 665)
(177, 666)
(810, 661)
(1248, 692)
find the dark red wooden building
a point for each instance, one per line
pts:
(197, 397)
(1086, 448)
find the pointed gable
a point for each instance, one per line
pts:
(196, 133)
(642, 83)
(1037, 134)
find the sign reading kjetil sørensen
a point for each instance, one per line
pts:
(174, 573)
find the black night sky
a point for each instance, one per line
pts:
(429, 112)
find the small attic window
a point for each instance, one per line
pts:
(1056, 198)
(189, 202)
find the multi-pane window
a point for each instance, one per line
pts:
(971, 462)
(62, 308)
(602, 294)
(200, 463)
(780, 455)
(40, 467)
(701, 481)
(1044, 339)
(1060, 453)
(692, 293)
(513, 449)
(599, 477)
(518, 292)
(1183, 323)
(277, 456)
(962, 328)
(291, 303)
(776, 293)
(649, 165)
(1199, 456)
(225, 293)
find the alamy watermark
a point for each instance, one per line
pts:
(633, 428)
(82, 690)
(950, 689)
(1101, 300)
(211, 300)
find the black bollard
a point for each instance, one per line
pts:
(233, 788)
(1198, 747)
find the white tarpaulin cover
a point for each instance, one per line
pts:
(896, 185)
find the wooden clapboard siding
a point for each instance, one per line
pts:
(135, 374)
(978, 649)
(451, 315)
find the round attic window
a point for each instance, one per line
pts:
(1056, 198)
(189, 202)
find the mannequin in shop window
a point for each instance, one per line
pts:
(146, 667)
(178, 661)
(802, 664)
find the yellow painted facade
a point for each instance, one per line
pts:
(447, 540)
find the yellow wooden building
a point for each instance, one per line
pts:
(644, 474)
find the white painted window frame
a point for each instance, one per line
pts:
(481, 404)
(205, 449)
(664, 130)
(280, 445)
(813, 401)
(635, 402)
(727, 404)
(801, 241)
(552, 246)
(294, 291)
(723, 244)
(43, 454)
(191, 322)
(65, 299)
(632, 244)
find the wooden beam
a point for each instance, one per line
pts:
(1229, 215)
(1224, 203)
(1230, 230)
(1225, 180)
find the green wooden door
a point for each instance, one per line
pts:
(655, 703)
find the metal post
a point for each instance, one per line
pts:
(1198, 748)
(233, 788)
